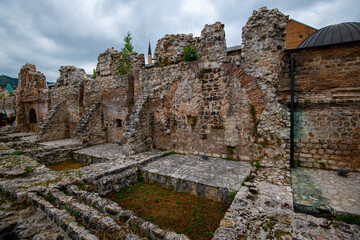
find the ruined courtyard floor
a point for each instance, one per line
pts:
(323, 190)
(262, 208)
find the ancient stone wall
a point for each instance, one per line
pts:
(7, 103)
(138, 133)
(262, 53)
(56, 124)
(106, 69)
(32, 99)
(198, 107)
(327, 100)
(212, 45)
(328, 136)
(169, 49)
(116, 96)
(90, 129)
(69, 90)
(105, 66)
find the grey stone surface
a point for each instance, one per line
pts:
(213, 172)
(343, 193)
(109, 151)
(61, 142)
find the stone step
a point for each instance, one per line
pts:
(126, 217)
(79, 220)
(62, 218)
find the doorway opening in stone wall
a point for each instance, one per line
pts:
(32, 120)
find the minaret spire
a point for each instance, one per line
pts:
(149, 54)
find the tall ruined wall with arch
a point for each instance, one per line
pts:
(221, 104)
(32, 98)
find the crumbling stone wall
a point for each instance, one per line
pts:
(56, 124)
(116, 96)
(169, 49)
(327, 112)
(90, 129)
(105, 66)
(137, 136)
(31, 94)
(262, 52)
(198, 107)
(228, 106)
(69, 90)
(7, 103)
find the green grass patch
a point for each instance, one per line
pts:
(181, 212)
(347, 218)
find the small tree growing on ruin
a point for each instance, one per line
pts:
(190, 53)
(93, 74)
(122, 65)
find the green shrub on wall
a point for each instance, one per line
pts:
(190, 54)
(123, 66)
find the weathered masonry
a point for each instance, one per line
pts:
(225, 104)
(327, 97)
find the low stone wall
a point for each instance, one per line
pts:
(194, 188)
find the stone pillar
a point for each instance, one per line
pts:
(263, 42)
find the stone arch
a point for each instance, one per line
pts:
(32, 116)
(249, 83)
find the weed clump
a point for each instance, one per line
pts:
(190, 53)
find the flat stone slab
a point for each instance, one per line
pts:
(61, 142)
(108, 151)
(318, 190)
(343, 192)
(212, 172)
(31, 138)
(21, 134)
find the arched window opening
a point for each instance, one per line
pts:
(32, 116)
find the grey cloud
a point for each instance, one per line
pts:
(51, 33)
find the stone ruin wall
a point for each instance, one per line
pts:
(262, 50)
(77, 92)
(31, 94)
(205, 106)
(7, 103)
(327, 126)
(224, 106)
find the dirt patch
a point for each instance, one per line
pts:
(196, 217)
(66, 165)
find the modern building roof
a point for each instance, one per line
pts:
(333, 34)
(9, 88)
(234, 48)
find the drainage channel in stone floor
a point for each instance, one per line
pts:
(324, 192)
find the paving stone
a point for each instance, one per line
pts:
(213, 172)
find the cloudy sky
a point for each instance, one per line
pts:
(53, 33)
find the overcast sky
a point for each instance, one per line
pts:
(53, 33)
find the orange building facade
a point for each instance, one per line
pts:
(296, 32)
